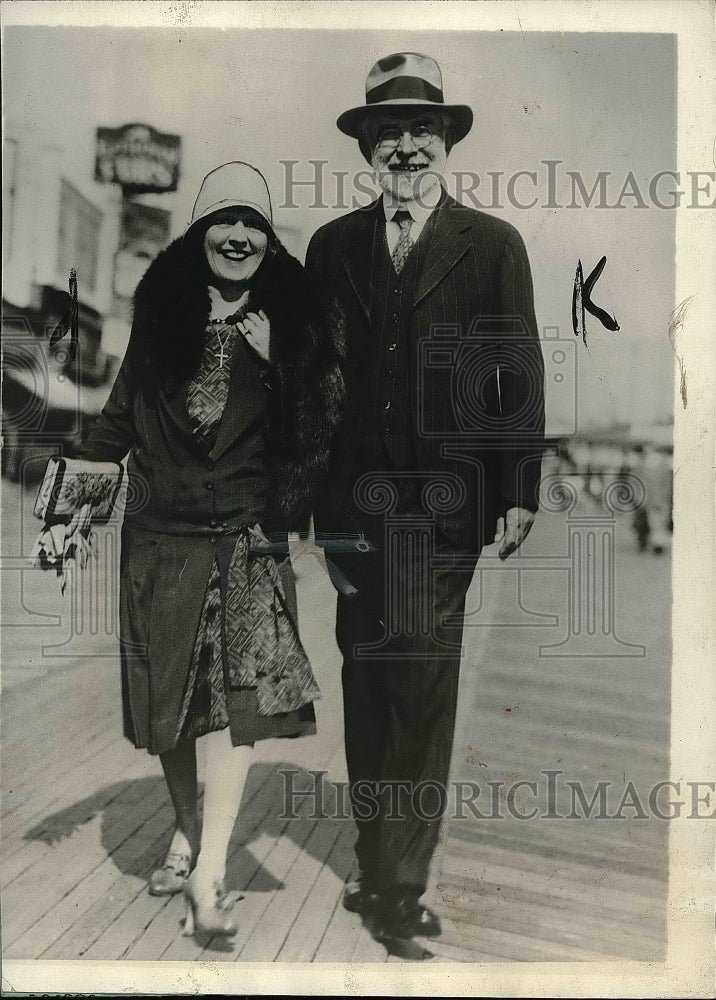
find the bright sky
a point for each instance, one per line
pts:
(594, 102)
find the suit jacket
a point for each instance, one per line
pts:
(476, 388)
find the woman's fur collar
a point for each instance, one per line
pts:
(171, 309)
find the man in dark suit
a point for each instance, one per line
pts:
(439, 453)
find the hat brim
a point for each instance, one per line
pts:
(229, 203)
(350, 121)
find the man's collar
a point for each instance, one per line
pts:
(419, 210)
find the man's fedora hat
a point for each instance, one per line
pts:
(405, 79)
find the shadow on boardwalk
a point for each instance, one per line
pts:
(264, 785)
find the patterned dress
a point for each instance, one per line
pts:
(247, 638)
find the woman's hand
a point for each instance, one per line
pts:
(257, 330)
(62, 545)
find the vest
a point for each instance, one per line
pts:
(388, 417)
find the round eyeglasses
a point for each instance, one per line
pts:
(389, 138)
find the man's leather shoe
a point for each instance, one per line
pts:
(403, 917)
(357, 898)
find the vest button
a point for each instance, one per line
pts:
(391, 347)
(386, 406)
(396, 318)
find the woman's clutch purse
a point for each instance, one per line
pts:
(73, 483)
(74, 495)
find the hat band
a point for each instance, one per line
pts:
(401, 87)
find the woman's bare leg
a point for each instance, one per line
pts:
(226, 769)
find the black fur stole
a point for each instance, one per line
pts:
(171, 310)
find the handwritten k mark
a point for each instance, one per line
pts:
(69, 322)
(581, 301)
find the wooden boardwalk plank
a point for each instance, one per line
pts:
(135, 853)
(585, 851)
(37, 843)
(311, 923)
(91, 790)
(365, 949)
(559, 929)
(106, 911)
(281, 913)
(153, 938)
(542, 857)
(74, 695)
(552, 887)
(56, 766)
(339, 940)
(52, 877)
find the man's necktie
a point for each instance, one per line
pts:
(405, 243)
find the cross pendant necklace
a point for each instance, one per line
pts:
(222, 354)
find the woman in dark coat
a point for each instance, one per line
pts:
(226, 403)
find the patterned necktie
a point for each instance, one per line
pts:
(405, 242)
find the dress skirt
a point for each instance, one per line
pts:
(163, 587)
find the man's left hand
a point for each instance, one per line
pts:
(513, 533)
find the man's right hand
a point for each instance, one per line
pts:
(512, 529)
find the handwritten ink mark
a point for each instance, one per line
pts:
(676, 323)
(69, 322)
(582, 300)
(578, 324)
(607, 321)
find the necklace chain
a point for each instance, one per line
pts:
(230, 322)
(222, 354)
(232, 318)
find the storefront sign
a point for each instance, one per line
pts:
(139, 158)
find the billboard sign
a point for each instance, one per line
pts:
(139, 158)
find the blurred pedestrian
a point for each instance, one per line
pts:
(656, 476)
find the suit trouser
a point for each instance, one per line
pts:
(400, 699)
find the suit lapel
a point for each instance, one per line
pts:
(356, 250)
(450, 241)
